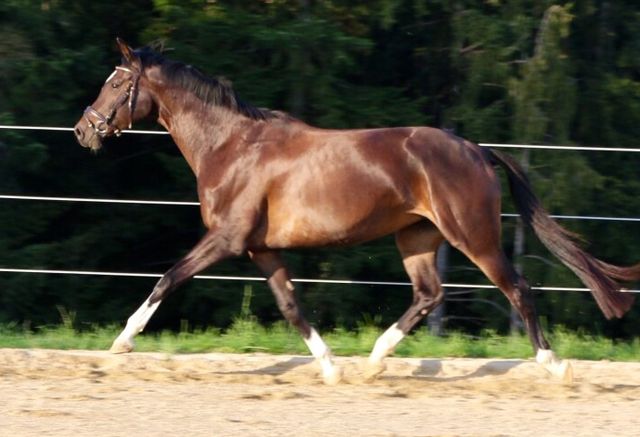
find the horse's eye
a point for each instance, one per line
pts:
(115, 85)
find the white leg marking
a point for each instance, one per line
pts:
(559, 368)
(135, 325)
(385, 345)
(321, 352)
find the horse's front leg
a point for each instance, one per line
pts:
(273, 267)
(214, 246)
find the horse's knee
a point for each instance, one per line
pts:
(437, 299)
(425, 302)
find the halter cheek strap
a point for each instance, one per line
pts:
(133, 92)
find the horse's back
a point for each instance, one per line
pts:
(346, 187)
(434, 167)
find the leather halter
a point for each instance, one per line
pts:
(101, 127)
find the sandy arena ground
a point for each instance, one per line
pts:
(81, 393)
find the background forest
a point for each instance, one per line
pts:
(492, 71)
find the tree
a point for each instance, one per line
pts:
(492, 71)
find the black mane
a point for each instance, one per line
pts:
(214, 90)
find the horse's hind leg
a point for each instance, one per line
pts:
(273, 267)
(418, 245)
(501, 272)
(475, 230)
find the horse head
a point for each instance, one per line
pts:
(123, 100)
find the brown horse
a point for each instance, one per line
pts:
(267, 181)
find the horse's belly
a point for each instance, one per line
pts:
(327, 228)
(352, 200)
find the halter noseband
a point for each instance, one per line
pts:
(102, 125)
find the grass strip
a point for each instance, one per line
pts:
(247, 335)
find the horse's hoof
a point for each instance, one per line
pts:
(121, 347)
(333, 377)
(565, 372)
(560, 369)
(372, 370)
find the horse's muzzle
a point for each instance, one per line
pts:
(86, 136)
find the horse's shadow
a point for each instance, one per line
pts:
(431, 369)
(428, 369)
(279, 368)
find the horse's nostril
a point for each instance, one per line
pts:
(78, 133)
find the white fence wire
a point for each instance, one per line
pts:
(250, 279)
(493, 145)
(261, 279)
(184, 203)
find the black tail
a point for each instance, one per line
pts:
(601, 278)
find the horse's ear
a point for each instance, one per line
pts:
(128, 54)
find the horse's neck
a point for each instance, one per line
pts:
(197, 129)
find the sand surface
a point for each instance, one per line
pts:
(83, 393)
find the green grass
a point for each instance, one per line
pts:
(246, 336)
